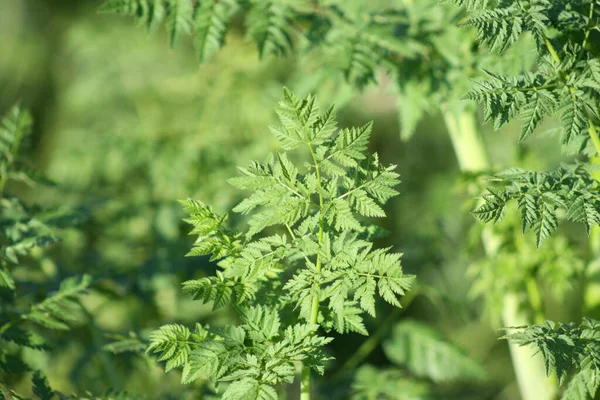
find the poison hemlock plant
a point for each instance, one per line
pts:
(25, 316)
(566, 83)
(304, 264)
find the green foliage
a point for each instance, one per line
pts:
(321, 269)
(59, 309)
(148, 129)
(176, 14)
(43, 391)
(418, 49)
(24, 230)
(540, 196)
(373, 383)
(255, 356)
(565, 82)
(566, 348)
(359, 43)
(567, 79)
(415, 345)
(520, 265)
(151, 147)
(15, 127)
(423, 360)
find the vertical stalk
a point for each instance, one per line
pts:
(305, 390)
(467, 142)
(472, 156)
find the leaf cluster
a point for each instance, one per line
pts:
(255, 356)
(321, 269)
(566, 349)
(427, 58)
(43, 391)
(23, 231)
(540, 196)
(567, 80)
(360, 41)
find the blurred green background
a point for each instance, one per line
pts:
(126, 126)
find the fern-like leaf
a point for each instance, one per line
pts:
(57, 311)
(540, 194)
(566, 347)
(211, 24)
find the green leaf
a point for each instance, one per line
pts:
(58, 310)
(6, 279)
(211, 25)
(147, 12)
(540, 195)
(271, 25)
(15, 126)
(541, 102)
(547, 224)
(573, 119)
(582, 386)
(365, 205)
(499, 27)
(318, 250)
(423, 351)
(24, 338)
(172, 343)
(245, 389)
(41, 386)
(351, 144)
(179, 19)
(372, 383)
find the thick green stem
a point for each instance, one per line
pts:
(305, 391)
(528, 366)
(466, 140)
(594, 136)
(472, 156)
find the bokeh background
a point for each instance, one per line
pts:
(125, 126)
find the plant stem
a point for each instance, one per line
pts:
(535, 300)
(466, 140)
(594, 136)
(305, 391)
(472, 156)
